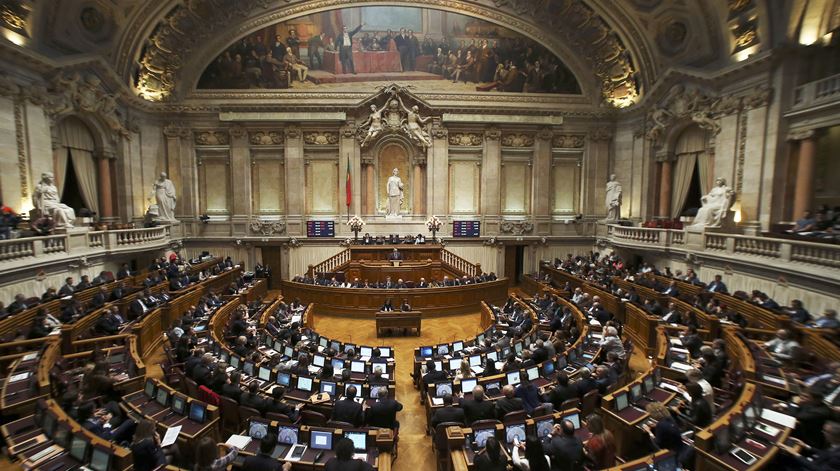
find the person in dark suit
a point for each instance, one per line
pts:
(395, 255)
(124, 272)
(565, 450)
(586, 383)
(432, 375)
(118, 292)
(201, 372)
(39, 327)
(405, 307)
(137, 308)
(344, 461)
(666, 433)
(698, 412)
(478, 408)
(253, 399)
(84, 283)
(821, 460)
(18, 305)
(491, 457)
(672, 290)
(448, 413)
(231, 389)
(348, 410)
(717, 286)
(562, 391)
(193, 360)
(344, 44)
(67, 288)
(672, 315)
(692, 342)
(509, 403)
(277, 406)
(383, 412)
(367, 239)
(107, 324)
(263, 461)
(422, 283)
(811, 416)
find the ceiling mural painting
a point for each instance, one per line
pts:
(359, 49)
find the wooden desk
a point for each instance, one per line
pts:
(432, 301)
(398, 320)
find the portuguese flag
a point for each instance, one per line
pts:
(349, 185)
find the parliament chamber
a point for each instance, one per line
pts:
(450, 235)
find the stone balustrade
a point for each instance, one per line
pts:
(23, 253)
(795, 254)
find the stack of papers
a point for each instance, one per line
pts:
(171, 436)
(238, 441)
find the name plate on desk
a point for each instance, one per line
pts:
(396, 263)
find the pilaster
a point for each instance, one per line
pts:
(437, 175)
(181, 169)
(491, 175)
(295, 178)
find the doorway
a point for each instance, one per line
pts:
(272, 258)
(514, 263)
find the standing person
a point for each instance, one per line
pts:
(344, 44)
(315, 51)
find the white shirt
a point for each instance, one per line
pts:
(522, 463)
(346, 40)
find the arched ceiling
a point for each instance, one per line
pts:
(616, 49)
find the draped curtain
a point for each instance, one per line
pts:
(690, 152)
(76, 138)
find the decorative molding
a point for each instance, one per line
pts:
(320, 138)
(493, 134)
(212, 138)
(20, 141)
(179, 130)
(516, 227)
(394, 117)
(802, 134)
(71, 93)
(601, 134)
(267, 228)
(440, 132)
(727, 105)
(266, 138)
(760, 96)
(682, 104)
(742, 153)
(368, 160)
(568, 141)
(465, 139)
(292, 132)
(545, 134)
(237, 131)
(517, 140)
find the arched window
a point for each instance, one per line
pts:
(692, 170)
(75, 168)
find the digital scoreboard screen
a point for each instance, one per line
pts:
(466, 229)
(320, 228)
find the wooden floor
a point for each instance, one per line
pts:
(415, 447)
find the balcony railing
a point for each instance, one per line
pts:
(816, 93)
(807, 255)
(16, 253)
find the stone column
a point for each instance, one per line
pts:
(541, 188)
(370, 195)
(437, 175)
(106, 197)
(241, 177)
(182, 169)
(419, 187)
(803, 196)
(491, 175)
(295, 178)
(666, 179)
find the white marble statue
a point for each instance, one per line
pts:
(395, 194)
(613, 200)
(374, 123)
(165, 198)
(715, 206)
(47, 200)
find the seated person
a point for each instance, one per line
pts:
(828, 320)
(253, 399)
(805, 224)
(348, 410)
(395, 255)
(405, 307)
(344, 461)
(491, 457)
(782, 345)
(387, 307)
(448, 413)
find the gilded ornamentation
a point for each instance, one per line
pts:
(465, 139)
(568, 141)
(265, 138)
(14, 16)
(320, 138)
(211, 138)
(517, 140)
(516, 227)
(737, 6)
(745, 33)
(267, 228)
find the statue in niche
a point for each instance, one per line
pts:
(395, 194)
(613, 199)
(47, 200)
(164, 191)
(714, 207)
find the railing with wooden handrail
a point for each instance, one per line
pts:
(331, 264)
(458, 264)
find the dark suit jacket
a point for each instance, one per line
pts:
(201, 374)
(254, 401)
(66, 290)
(347, 410)
(383, 413)
(352, 465)
(261, 462)
(560, 394)
(566, 453)
(136, 308)
(232, 391)
(97, 301)
(505, 405)
(478, 410)
(448, 414)
(583, 386)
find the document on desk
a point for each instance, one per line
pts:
(171, 436)
(238, 441)
(19, 377)
(437, 401)
(29, 356)
(778, 418)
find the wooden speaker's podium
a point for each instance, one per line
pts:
(404, 321)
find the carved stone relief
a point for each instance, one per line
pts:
(320, 138)
(517, 140)
(568, 141)
(211, 138)
(265, 138)
(267, 228)
(70, 92)
(516, 227)
(465, 139)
